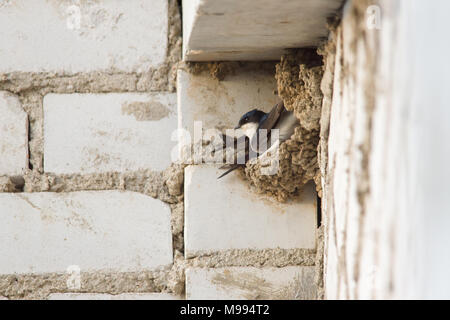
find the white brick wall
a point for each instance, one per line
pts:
(226, 214)
(243, 283)
(95, 230)
(86, 133)
(14, 135)
(42, 35)
(104, 296)
(83, 133)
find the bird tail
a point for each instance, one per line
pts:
(233, 167)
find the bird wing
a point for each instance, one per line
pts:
(233, 167)
(273, 116)
(268, 124)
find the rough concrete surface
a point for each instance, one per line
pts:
(256, 258)
(32, 286)
(347, 185)
(328, 52)
(14, 135)
(319, 267)
(386, 214)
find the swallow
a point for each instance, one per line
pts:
(251, 124)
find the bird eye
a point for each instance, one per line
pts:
(246, 119)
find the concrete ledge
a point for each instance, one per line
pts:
(252, 30)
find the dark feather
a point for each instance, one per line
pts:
(268, 123)
(272, 117)
(233, 167)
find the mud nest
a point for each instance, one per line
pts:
(298, 75)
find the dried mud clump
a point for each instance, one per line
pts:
(217, 70)
(299, 76)
(221, 70)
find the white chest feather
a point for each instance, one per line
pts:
(250, 129)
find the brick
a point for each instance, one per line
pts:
(249, 283)
(104, 296)
(13, 135)
(95, 230)
(226, 214)
(45, 35)
(239, 30)
(87, 133)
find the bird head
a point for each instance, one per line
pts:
(250, 121)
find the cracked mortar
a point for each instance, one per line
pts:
(29, 286)
(169, 280)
